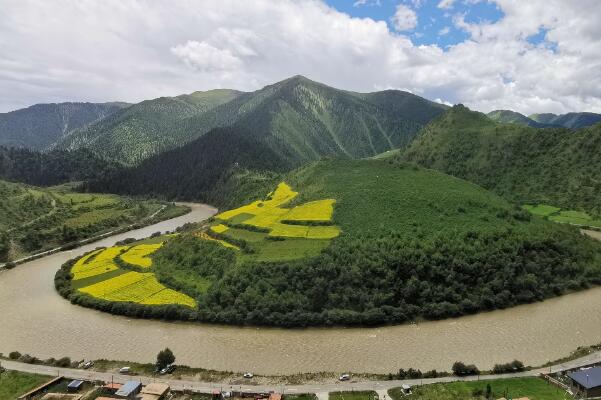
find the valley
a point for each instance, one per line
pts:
(438, 236)
(34, 219)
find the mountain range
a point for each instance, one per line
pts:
(574, 120)
(41, 126)
(298, 118)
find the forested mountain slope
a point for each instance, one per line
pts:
(300, 119)
(554, 166)
(53, 167)
(146, 128)
(413, 243)
(208, 169)
(42, 125)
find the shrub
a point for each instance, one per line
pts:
(460, 369)
(64, 362)
(14, 355)
(26, 358)
(514, 366)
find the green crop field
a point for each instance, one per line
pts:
(542, 209)
(14, 384)
(353, 395)
(533, 388)
(556, 214)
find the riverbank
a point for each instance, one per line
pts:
(579, 357)
(180, 210)
(318, 387)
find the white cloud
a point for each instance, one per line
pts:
(206, 58)
(404, 18)
(444, 31)
(359, 3)
(446, 4)
(132, 51)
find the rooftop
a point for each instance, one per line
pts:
(158, 389)
(587, 378)
(128, 388)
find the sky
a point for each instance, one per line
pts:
(524, 55)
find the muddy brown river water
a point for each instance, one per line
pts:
(36, 320)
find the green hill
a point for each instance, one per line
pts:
(39, 127)
(34, 219)
(300, 119)
(512, 117)
(403, 243)
(574, 120)
(553, 166)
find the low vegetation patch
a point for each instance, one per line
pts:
(533, 388)
(556, 214)
(14, 383)
(354, 395)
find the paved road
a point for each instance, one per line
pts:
(320, 388)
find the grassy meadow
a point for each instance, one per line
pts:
(531, 387)
(14, 383)
(556, 214)
(354, 395)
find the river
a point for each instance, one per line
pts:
(36, 320)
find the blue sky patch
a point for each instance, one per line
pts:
(540, 39)
(435, 24)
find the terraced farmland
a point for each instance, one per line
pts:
(271, 230)
(139, 255)
(99, 275)
(36, 219)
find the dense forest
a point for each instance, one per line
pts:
(52, 168)
(211, 169)
(555, 166)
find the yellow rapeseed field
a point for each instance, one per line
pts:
(138, 255)
(281, 195)
(219, 228)
(320, 210)
(137, 287)
(96, 263)
(293, 231)
(103, 289)
(271, 214)
(169, 296)
(323, 232)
